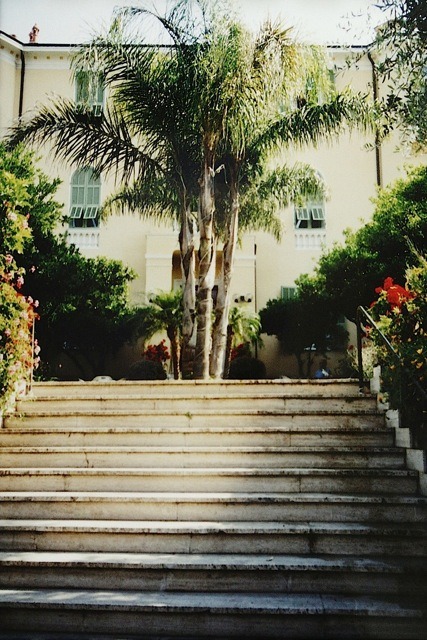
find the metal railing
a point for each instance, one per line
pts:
(363, 316)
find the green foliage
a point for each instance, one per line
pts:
(303, 325)
(347, 275)
(83, 302)
(164, 313)
(244, 326)
(401, 314)
(17, 312)
(36, 201)
(402, 45)
(243, 332)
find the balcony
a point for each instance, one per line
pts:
(311, 239)
(83, 238)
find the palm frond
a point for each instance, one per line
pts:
(315, 122)
(289, 184)
(274, 190)
(79, 137)
(245, 325)
(154, 89)
(150, 199)
(259, 215)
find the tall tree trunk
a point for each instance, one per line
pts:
(222, 308)
(207, 251)
(188, 266)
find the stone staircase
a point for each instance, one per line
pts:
(268, 509)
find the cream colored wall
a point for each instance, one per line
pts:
(350, 174)
(46, 74)
(9, 83)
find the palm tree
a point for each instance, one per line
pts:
(277, 104)
(243, 328)
(165, 313)
(145, 136)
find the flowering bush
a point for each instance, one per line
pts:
(17, 312)
(17, 315)
(369, 359)
(401, 314)
(157, 352)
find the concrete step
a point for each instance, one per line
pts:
(203, 457)
(367, 481)
(133, 536)
(193, 388)
(182, 404)
(202, 615)
(306, 403)
(200, 419)
(214, 572)
(252, 435)
(226, 507)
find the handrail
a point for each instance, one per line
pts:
(361, 311)
(33, 344)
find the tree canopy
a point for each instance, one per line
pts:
(401, 43)
(347, 275)
(83, 302)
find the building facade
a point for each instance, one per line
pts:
(31, 73)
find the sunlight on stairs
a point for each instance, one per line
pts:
(259, 509)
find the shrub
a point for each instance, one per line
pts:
(157, 352)
(146, 370)
(247, 368)
(17, 312)
(401, 314)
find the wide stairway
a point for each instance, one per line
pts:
(270, 509)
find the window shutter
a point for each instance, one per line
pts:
(91, 212)
(76, 212)
(302, 213)
(317, 213)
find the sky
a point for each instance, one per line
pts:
(76, 21)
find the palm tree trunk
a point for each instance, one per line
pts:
(219, 338)
(174, 342)
(207, 251)
(188, 265)
(228, 350)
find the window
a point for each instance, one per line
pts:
(85, 199)
(311, 216)
(90, 91)
(288, 293)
